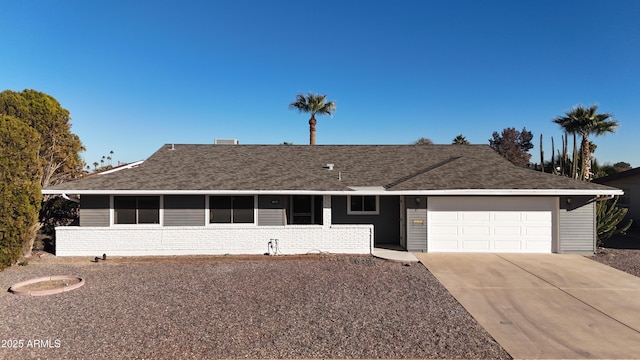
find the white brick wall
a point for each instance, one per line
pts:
(156, 240)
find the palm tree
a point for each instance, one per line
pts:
(314, 104)
(460, 140)
(586, 121)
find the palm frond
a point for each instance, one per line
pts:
(586, 120)
(300, 103)
(314, 104)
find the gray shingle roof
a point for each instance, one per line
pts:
(301, 167)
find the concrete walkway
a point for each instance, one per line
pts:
(394, 255)
(546, 306)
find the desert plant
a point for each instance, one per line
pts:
(609, 216)
(542, 155)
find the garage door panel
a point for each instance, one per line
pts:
(490, 224)
(538, 246)
(445, 246)
(445, 216)
(444, 230)
(474, 216)
(541, 216)
(507, 216)
(477, 246)
(508, 245)
(508, 231)
(471, 231)
(538, 231)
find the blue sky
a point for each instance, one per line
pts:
(139, 74)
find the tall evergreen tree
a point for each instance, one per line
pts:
(57, 148)
(59, 151)
(20, 189)
(513, 145)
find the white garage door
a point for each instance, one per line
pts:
(490, 224)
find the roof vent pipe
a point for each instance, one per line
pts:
(173, 147)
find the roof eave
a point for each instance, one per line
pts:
(450, 192)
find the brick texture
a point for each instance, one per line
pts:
(213, 240)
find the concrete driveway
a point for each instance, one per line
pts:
(546, 306)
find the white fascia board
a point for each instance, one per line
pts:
(518, 192)
(368, 188)
(468, 192)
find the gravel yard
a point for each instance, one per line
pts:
(317, 306)
(621, 252)
(627, 260)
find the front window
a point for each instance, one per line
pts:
(231, 209)
(363, 205)
(136, 209)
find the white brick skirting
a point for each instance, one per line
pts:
(187, 240)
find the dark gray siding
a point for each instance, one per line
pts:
(94, 210)
(386, 224)
(577, 229)
(416, 223)
(184, 210)
(631, 198)
(271, 210)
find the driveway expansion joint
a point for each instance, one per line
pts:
(532, 317)
(564, 290)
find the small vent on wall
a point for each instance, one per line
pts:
(226, 142)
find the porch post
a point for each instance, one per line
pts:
(326, 211)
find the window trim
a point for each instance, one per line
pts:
(207, 213)
(112, 212)
(363, 212)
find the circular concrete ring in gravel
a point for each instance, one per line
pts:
(16, 288)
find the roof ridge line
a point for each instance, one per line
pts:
(420, 172)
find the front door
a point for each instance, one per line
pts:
(306, 209)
